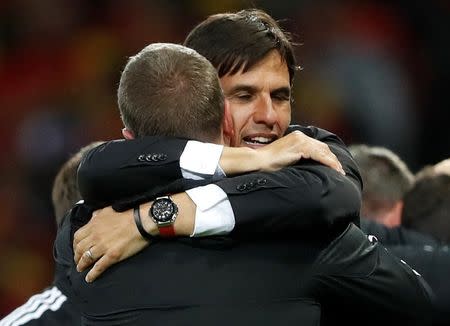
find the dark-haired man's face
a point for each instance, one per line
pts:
(259, 102)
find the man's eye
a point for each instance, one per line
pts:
(244, 96)
(281, 98)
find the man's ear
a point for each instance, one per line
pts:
(227, 124)
(127, 134)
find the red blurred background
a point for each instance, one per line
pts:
(374, 72)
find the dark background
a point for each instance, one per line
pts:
(373, 72)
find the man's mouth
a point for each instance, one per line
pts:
(259, 140)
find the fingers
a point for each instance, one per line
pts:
(321, 152)
(100, 266)
(89, 257)
(81, 247)
(79, 236)
(329, 159)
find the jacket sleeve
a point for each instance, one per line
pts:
(297, 198)
(121, 169)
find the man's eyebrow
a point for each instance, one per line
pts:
(242, 88)
(282, 90)
(252, 89)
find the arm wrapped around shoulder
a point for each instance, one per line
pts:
(124, 168)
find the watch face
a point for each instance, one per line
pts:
(163, 210)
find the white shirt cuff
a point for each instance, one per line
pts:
(200, 160)
(214, 215)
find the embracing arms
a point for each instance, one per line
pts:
(295, 200)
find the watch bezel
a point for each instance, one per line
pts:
(161, 221)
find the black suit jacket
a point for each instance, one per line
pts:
(307, 200)
(247, 280)
(271, 282)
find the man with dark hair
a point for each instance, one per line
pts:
(256, 65)
(53, 306)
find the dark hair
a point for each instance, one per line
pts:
(234, 41)
(386, 178)
(427, 205)
(65, 192)
(170, 90)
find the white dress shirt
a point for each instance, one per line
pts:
(213, 215)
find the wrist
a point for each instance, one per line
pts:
(237, 160)
(149, 225)
(184, 224)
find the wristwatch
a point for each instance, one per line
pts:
(164, 213)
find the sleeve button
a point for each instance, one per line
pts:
(261, 182)
(241, 187)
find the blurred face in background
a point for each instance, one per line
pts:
(259, 102)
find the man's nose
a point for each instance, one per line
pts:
(265, 112)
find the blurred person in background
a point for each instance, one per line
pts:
(240, 90)
(427, 210)
(427, 203)
(422, 238)
(53, 306)
(386, 178)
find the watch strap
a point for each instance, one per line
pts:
(140, 227)
(167, 231)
